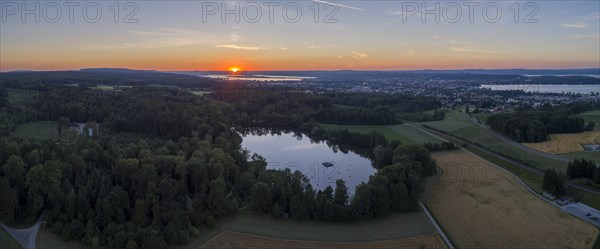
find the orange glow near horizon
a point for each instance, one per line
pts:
(234, 69)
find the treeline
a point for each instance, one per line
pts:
(160, 112)
(278, 107)
(102, 76)
(581, 168)
(344, 140)
(535, 125)
(395, 187)
(554, 183)
(13, 114)
(432, 147)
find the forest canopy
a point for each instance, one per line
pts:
(163, 164)
(536, 125)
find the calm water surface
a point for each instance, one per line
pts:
(299, 153)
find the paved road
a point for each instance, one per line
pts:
(25, 237)
(519, 146)
(437, 226)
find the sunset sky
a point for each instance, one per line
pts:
(171, 35)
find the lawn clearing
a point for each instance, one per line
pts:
(481, 206)
(229, 239)
(406, 134)
(7, 241)
(588, 155)
(453, 121)
(415, 135)
(482, 116)
(47, 239)
(590, 116)
(385, 130)
(565, 143)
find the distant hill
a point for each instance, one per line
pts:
(547, 72)
(113, 70)
(129, 77)
(104, 76)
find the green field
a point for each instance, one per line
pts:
(41, 130)
(7, 241)
(482, 116)
(480, 136)
(413, 134)
(590, 116)
(588, 155)
(403, 133)
(385, 130)
(453, 121)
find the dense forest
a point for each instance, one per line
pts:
(164, 164)
(581, 168)
(279, 107)
(554, 183)
(535, 125)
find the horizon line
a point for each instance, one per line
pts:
(294, 70)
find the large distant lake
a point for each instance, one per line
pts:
(299, 153)
(583, 89)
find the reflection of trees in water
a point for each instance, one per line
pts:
(299, 134)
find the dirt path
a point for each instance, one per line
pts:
(235, 240)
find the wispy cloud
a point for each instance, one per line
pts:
(582, 22)
(457, 42)
(232, 46)
(337, 4)
(283, 48)
(359, 56)
(577, 25)
(320, 46)
(589, 17)
(590, 36)
(474, 50)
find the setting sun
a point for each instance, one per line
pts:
(234, 69)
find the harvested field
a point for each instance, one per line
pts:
(565, 143)
(481, 206)
(229, 239)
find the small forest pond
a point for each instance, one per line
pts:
(321, 163)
